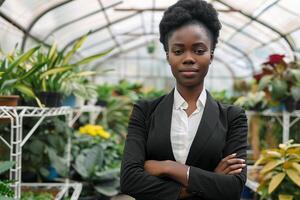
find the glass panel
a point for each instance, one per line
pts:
(234, 18)
(26, 11)
(263, 33)
(10, 36)
(96, 39)
(285, 23)
(291, 5)
(64, 14)
(226, 32)
(80, 28)
(296, 35)
(243, 42)
(241, 5)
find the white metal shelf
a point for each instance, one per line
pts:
(16, 115)
(284, 118)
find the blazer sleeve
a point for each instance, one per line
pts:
(134, 180)
(213, 186)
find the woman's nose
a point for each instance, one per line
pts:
(188, 59)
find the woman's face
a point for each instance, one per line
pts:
(189, 54)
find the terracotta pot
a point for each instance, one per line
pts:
(9, 100)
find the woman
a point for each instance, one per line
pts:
(185, 145)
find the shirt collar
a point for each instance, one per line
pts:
(180, 103)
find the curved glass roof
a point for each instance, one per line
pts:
(249, 34)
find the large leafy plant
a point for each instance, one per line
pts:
(60, 73)
(280, 175)
(47, 149)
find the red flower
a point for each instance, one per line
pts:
(275, 59)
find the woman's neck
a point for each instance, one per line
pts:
(190, 94)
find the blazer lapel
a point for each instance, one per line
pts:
(205, 130)
(162, 119)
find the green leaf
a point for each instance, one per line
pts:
(296, 73)
(5, 165)
(294, 176)
(34, 69)
(264, 82)
(275, 181)
(25, 90)
(285, 197)
(76, 46)
(279, 88)
(295, 91)
(108, 173)
(52, 51)
(108, 188)
(271, 165)
(54, 71)
(8, 83)
(88, 160)
(24, 57)
(59, 163)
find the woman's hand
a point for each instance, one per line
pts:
(230, 165)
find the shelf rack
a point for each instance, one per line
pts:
(16, 116)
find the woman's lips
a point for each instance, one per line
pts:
(188, 72)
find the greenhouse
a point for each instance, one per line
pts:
(204, 93)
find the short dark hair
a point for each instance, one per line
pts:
(186, 12)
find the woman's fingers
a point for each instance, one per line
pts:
(230, 164)
(223, 164)
(235, 168)
(237, 171)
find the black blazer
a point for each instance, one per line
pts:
(222, 131)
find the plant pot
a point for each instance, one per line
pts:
(69, 101)
(9, 100)
(50, 99)
(101, 102)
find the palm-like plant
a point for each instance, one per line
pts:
(280, 175)
(58, 71)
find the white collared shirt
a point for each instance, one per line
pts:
(184, 128)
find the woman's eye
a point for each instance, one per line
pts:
(199, 51)
(177, 52)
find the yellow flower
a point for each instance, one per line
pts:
(94, 130)
(104, 134)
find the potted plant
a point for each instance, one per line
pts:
(59, 75)
(280, 80)
(14, 71)
(280, 175)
